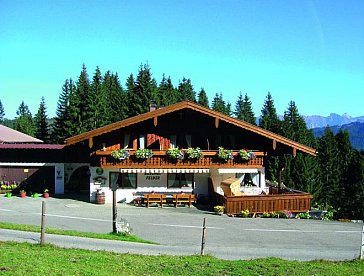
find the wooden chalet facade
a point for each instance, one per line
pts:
(183, 125)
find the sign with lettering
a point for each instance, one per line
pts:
(152, 180)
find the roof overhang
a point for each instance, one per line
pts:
(275, 138)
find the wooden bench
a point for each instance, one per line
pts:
(183, 199)
(154, 198)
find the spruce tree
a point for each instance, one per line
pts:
(328, 187)
(60, 129)
(269, 119)
(202, 98)
(100, 100)
(243, 109)
(41, 124)
(144, 93)
(2, 113)
(24, 122)
(167, 93)
(116, 97)
(85, 102)
(185, 91)
(218, 104)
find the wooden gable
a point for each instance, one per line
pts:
(188, 118)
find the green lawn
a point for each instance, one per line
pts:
(34, 259)
(108, 236)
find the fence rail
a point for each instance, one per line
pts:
(300, 202)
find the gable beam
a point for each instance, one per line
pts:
(274, 144)
(155, 121)
(216, 122)
(90, 142)
(294, 152)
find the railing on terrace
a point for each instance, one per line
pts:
(161, 160)
(297, 202)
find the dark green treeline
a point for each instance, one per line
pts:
(335, 176)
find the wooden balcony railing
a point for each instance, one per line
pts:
(161, 160)
(298, 202)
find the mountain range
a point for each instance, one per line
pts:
(354, 125)
(333, 119)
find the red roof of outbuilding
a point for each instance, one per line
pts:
(8, 135)
(30, 146)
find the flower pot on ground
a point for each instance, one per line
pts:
(35, 195)
(8, 194)
(23, 193)
(219, 210)
(46, 193)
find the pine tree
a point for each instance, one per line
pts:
(116, 98)
(61, 130)
(243, 109)
(100, 100)
(301, 171)
(24, 121)
(85, 102)
(185, 91)
(2, 113)
(202, 98)
(41, 124)
(328, 187)
(269, 119)
(167, 94)
(228, 109)
(144, 93)
(218, 104)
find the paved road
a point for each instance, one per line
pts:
(178, 231)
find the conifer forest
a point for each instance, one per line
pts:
(335, 177)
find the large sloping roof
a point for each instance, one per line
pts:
(8, 135)
(196, 107)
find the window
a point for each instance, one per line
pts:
(179, 180)
(123, 180)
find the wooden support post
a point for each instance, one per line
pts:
(203, 237)
(114, 213)
(42, 226)
(362, 245)
(216, 122)
(155, 121)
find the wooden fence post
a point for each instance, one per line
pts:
(362, 245)
(203, 237)
(42, 226)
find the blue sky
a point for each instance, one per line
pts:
(307, 51)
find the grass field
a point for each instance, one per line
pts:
(34, 259)
(107, 236)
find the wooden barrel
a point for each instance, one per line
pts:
(100, 198)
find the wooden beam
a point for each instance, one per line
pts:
(155, 121)
(294, 152)
(217, 122)
(274, 144)
(135, 143)
(90, 142)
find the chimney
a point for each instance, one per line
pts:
(152, 107)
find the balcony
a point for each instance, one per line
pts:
(161, 160)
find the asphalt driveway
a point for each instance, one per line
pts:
(180, 229)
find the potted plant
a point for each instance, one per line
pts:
(175, 153)
(35, 195)
(8, 194)
(143, 153)
(246, 155)
(245, 213)
(219, 210)
(194, 153)
(46, 193)
(120, 154)
(224, 154)
(22, 193)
